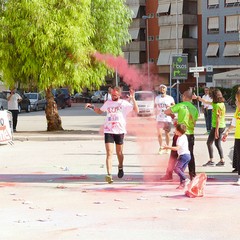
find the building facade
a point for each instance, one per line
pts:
(207, 31)
(221, 40)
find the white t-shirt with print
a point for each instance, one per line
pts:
(182, 142)
(117, 112)
(209, 99)
(162, 103)
(13, 101)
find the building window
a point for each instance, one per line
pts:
(150, 38)
(213, 4)
(163, 9)
(212, 50)
(151, 15)
(231, 49)
(213, 25)
(232, 23)
(232, 3)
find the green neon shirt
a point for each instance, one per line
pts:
(218, 110)
(187, 115)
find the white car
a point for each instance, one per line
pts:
(145, 102)
(37, 100)
(98, 96)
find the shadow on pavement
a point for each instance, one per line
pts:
(100, 178)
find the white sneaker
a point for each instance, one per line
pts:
(167, 151)
(181, 186)
(238, 182)
(161, 151)
(184, 184)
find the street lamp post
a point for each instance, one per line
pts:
(148, 68)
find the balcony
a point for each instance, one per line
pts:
(189, 43)
(136, 2)
(135, 46)
(138, 23)
(185, 19)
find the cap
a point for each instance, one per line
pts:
(162, 85)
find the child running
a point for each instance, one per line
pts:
(184, 156)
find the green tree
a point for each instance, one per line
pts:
(50, 43)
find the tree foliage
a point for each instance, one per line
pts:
(49, 43)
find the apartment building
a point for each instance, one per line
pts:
(205, 30)
(160, 29)
(220, 34)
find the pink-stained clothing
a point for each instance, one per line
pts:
(117, 112)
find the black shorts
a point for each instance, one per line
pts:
(111, 138)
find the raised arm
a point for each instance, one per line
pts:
(95, 109)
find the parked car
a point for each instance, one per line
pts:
(37, 100)
(81, 97)
(3, 101)
(145, 102)
(98, 96)
(62, 97)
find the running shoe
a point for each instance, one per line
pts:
(166, 178)
(109, 179)
(120, 173)
(220, 164)
(161, 151)
(209, 163)
(238, 182)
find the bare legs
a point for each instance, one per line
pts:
(109, 151)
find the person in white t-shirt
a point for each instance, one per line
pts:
(108, 95)
(207, 109)
(164, 122)
(115, 127)
(13, 100)
(184, 156)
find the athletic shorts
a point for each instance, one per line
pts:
(111, 138)
(166, 126)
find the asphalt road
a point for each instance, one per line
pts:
(54, 188)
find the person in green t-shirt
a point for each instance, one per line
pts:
(235, 124)
(187, 115)
(218, 126)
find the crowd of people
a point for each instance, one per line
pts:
(182, 149)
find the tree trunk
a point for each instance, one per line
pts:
(54, 122)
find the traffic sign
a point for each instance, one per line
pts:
(196, 74)
(209, 68)
(179, 67)
(196, 69)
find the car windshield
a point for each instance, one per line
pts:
(144, 96)
(31, 95)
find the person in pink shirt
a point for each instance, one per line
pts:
(115, 127)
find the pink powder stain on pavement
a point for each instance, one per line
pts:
(143, 128)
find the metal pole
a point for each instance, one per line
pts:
(177, 46)
(196, 64)
(148, 49)
(177, 26)
(148, 70)
(116, 75)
